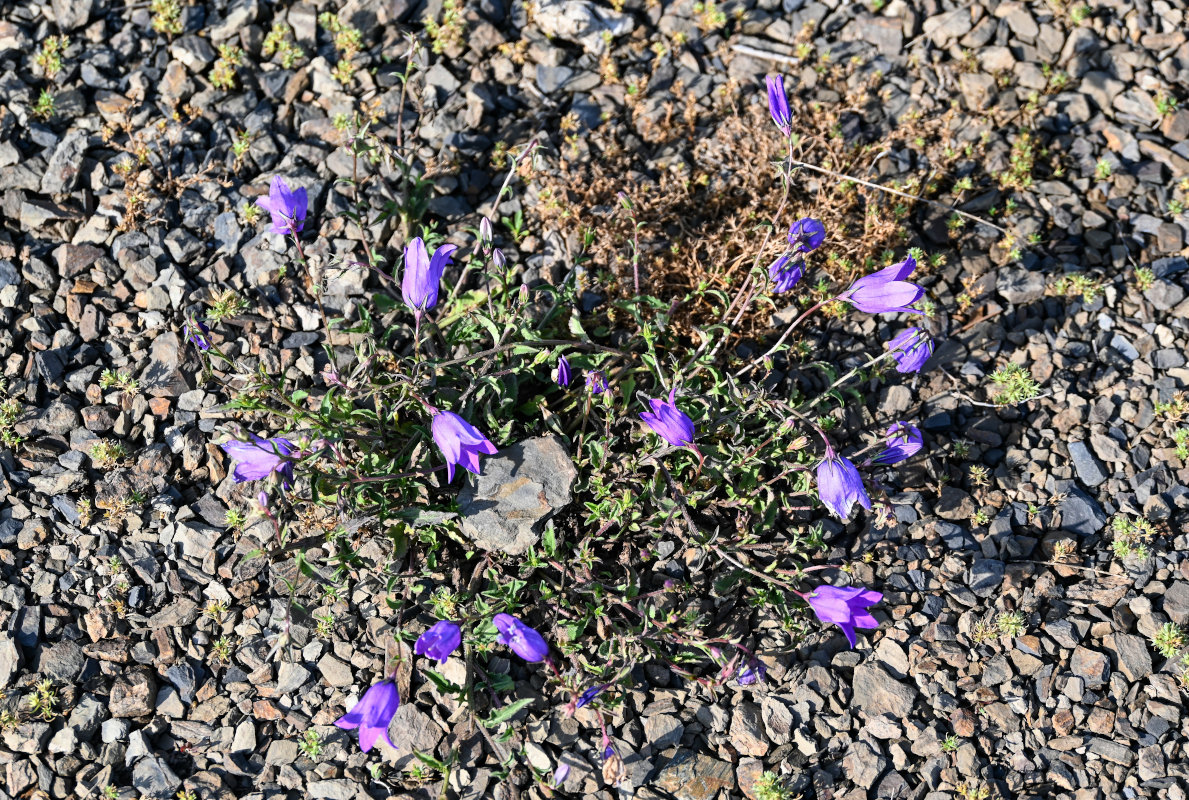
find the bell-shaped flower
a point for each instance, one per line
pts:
(197, 333)
(885, 291)
(786, 272)
(563, 372)
(778, 104)
(287, 206)
(590, 694)
(372, 714)
(524, 641)
(423, 274)
(439, 641)
(806, 234)
(460, 442)
(840, 486)
(751, 671)
(904, 441)
(258, 458)
(845, 606)
(911, 348)
(669, 422)
(596, 382)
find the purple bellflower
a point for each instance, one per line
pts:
(904, 441)
(786, 272)
(197, 333)
(372, 714)
(911, 348)
(498, 259)
(839, 485)
(845, 606)
(560, 774)
(259, 458)
(778, 104)
(563, 372)
(423, 274)
(460, 442)
(287, 207)
(439, 641)
(806, 235)
(751, 671)
(596, 383)
(885, 291)
(669, 422)
(524, 641)
(590, 694)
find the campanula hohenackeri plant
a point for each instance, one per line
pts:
(460, 442)
(287, 206)
(910, 348)
(372, 714)
(844, 606)
(485, 358)
(258, 458)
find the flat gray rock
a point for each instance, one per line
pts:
(505, 508)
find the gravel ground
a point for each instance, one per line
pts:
(1076, 703)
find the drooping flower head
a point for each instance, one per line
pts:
(786, 272)
(372, 714)
(460, 442)
(563, 372)
(439, 641)
(751, 671)
(845, 606)
(904, 441)
(258, 458)
(197, 333)
(885, 291)
(778, 104)
(669, 422)
(595, 382)
(590, 694)
(840, 486)
(806, 235)
(524, 641)
(423, 274)
(560, 774)
(287, 206)
(911, 348)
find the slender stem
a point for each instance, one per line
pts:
(788, 331)
(899, 193)
(317, 293)
(848, 376)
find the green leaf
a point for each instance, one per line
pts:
(444, 686)
(576, 328)
(431, 761)
(507, 712)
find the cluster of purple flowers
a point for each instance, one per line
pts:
(805, 235)
(374, 712)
